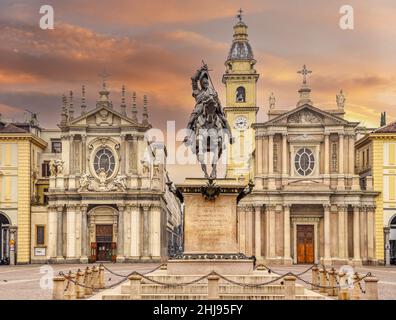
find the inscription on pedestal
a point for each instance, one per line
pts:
(210, 225)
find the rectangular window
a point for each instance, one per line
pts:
(40, 235)
(56, 146)
(45, 198)
(45, 169)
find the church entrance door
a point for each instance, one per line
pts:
(305, 244)
(104, 239)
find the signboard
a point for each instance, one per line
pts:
(40, 251)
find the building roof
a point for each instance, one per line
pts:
(390, 128)
(10, 128)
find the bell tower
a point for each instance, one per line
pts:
(240, 79)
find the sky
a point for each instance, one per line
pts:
(154, 47)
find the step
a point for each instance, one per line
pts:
(204, 297)
(202, 288)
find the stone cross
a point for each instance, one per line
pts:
(304, 72)
(239, 16)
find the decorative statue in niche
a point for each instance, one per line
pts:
(208, 125)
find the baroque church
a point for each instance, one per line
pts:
(107, 196)
(307, 205)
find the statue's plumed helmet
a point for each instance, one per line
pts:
(204, 76)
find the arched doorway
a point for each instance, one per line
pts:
(392, 240)
(4, 239)
(103, 227)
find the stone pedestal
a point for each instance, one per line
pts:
(210, 225)
(210, 230)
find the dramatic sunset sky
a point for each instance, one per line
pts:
(153, 47)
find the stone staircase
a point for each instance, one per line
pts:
(199, 290)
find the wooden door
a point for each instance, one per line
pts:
(104, 238)
(305, 244)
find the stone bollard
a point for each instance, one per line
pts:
(322, 276)
(343, 292)
(356, 288)
(88, 281)
(371, 284)
(101, 277)
(164, 267)
(95, 277)
(71, 287)
(135, 283)
(80, 291)
(213, 287)
(331, 289)
(315, 277)
(58, 291)
(290, 287)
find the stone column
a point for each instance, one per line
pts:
(259, 155)
(249, 230)
(84, 153)
(146, 231)
(387, 245)
(327, 257)
(257, 225)
(84, 234)
(52, 231)
(351, 156)
(270, 154)
(286, 234)
(341, 153)
(370, 233)
(326, 155)
(284, 154)
(271, 179)
(342, 245)
(120, 236)
(271, 230)
(135, 232)
(59, 234)
(242, 228)
(356, 235)
(155, 232)
(123, 154)
(71, 232)
(71, 155)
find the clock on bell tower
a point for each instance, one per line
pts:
(240, 79)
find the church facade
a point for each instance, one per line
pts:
(307, 205)
(99, 191)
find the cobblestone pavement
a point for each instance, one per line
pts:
(31, 282)
(385, 275)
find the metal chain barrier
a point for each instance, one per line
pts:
(250, 285)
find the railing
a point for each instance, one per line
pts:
(329, 282)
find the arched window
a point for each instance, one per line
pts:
(393, 222)
(241, 94)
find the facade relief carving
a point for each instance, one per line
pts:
(305, 117)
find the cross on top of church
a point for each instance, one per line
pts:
(239, 15)
(304, 72)
(104, 75)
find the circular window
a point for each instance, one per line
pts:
(104, 160)
(304, 161)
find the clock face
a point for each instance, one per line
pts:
(241, 123)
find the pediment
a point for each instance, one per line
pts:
(103, 117)
(307, 115)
